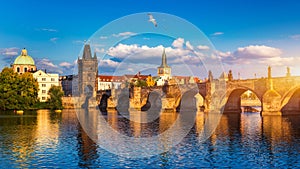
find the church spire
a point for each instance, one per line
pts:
(164, 60)
(87, 52)
(95, 55)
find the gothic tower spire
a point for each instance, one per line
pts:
(164, 71)
(95, 55)
(164, 60)
(87, 52)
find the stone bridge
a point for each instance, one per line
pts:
(278, 95)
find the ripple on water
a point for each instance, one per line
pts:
(48, 140)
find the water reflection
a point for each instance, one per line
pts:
(47, 139)
(87, 149)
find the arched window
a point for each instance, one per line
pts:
(18, 69)
(25, 69)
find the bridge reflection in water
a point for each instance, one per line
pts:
(44, 138)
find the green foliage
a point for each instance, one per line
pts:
(17, 92)
(55, 101)
(41, 105)
(140, 83)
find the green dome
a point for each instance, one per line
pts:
(24, 59)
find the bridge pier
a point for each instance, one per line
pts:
(233, 105)
(271, 103)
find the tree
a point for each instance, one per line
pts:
(56, 94)
(140, 83)
(150, 81)
(28, 90)
(17, 91)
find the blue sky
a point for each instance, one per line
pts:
(246, 34)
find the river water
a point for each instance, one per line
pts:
(56, 140)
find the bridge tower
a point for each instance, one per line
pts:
(87, 73)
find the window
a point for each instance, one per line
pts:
(43, 98)
(25, 69)
(32, 69)
(52, 79)
(43, 91)
(18, 69)
(52, 85)
(43, 85)
(43, 79)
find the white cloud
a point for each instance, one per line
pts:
(295, 37)
(48, 30)
(144, 52)
(78, 42)
(100, 50)
(203, 47)
(122, 34)
(280, 61)
(189, 45)
(217, 33)
(66, 64)
(178, 43)
(97, 45)
(103, 37)
(224, 54)
(187, 59)
(256, 52)
(54, 39)
(9, 51)
(46, 64)
(108, 63)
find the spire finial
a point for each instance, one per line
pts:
(24, 52)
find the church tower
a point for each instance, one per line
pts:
(87, 73)
(164, 71)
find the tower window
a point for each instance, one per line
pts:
(18, 69)
(25, 69)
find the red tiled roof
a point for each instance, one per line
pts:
(111, 78)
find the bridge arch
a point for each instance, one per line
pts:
(290, 103)
(232, 99)
(197, 100)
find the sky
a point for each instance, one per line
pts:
(245, 36)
